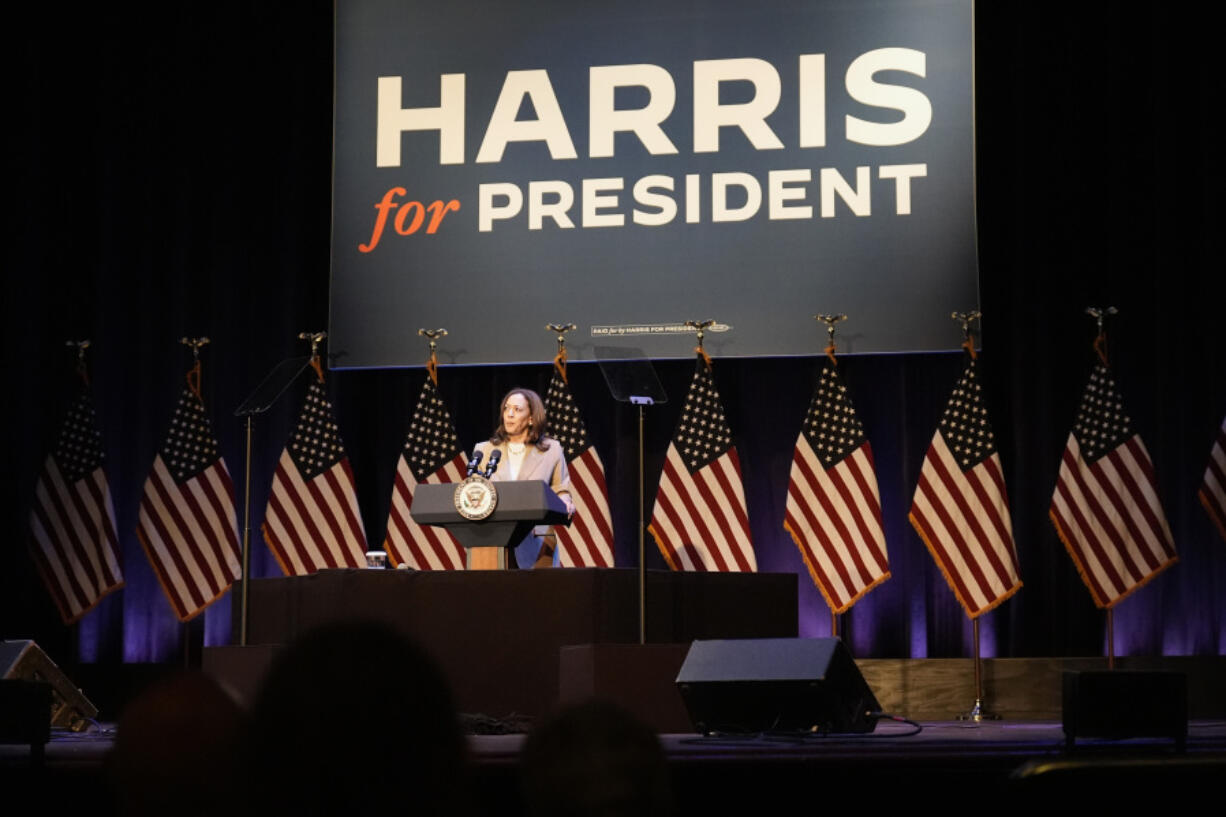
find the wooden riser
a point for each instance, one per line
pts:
(1025, 689)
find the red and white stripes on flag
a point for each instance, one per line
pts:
(431, 455)
(699, 521)
(312, 521)
(588, 541)
(833, 509)
(1105, 507)
(1212, 491)
(72, 521)
(188, 524)
(961, 507)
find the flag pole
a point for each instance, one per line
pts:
(642, 539)
(976, 712)
(831, 321)
(559, 366)
(699, 327)
(74, 631)
(1110, 638)
(193, 383)
(1099, 314)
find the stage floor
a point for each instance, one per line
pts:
(1019, 759)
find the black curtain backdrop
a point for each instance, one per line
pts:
(171, 177)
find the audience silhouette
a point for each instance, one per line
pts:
(176, 749)
(354, 719)
(594, 758)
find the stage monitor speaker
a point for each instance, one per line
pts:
(757, 685)
(24, 661)
(23, 714)
(1119, 704)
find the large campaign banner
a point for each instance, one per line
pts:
(627, 166)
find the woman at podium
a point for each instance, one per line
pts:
(526, 453)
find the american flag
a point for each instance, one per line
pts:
(72, 520)
(1213, 487)
(1105, 506)
(312, 519)
(833, 506)
(699, 521)
(431, 455)
(187, 522)
(588, 542)
(961, 509)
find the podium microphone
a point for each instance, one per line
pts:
(474, 462)
(491, 465)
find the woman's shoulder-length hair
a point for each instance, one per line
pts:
(536, 415)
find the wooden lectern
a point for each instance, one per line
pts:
(522, 505)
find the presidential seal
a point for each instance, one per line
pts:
(476, 497)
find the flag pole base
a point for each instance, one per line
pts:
(977, 714)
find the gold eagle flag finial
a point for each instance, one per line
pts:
(80, 346)
(966, 319)
(559, 360)
(315, 338)
(432, 335)
(700, 327)
(1100, 315)
(830, 321)
(193, 374)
